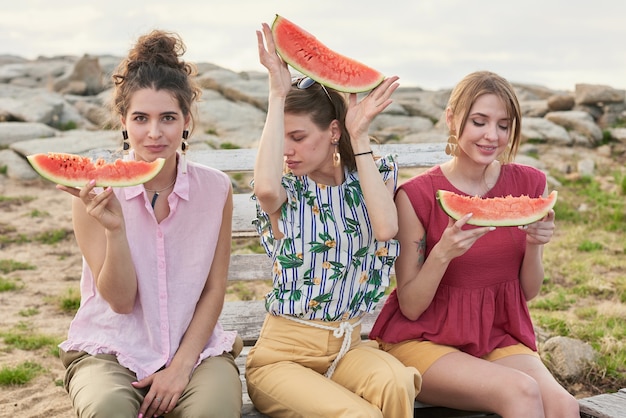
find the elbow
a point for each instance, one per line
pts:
(409, 310)
(265, 195)
(410, 314)
(122, 307)
(386, 232)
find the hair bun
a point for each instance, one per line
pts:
(159, 48)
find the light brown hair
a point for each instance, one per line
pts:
(479, 83)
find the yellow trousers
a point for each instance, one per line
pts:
(285, 374)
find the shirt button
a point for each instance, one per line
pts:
(159, 234)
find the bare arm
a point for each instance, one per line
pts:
(532, 272)
(416, 287)
(378, 196)
(101, 236)
(268, 167)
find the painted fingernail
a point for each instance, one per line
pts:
(492, 228)
(92, 182)
(140, 415)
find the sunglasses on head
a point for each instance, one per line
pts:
(304, 83)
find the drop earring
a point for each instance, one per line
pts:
(451, 146)
(125, 145)
(184, 147)
(336, 156)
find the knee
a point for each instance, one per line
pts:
(110, 406)
(525, 391)
(396, 384)
(561, 404)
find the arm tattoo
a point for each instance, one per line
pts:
(421, 250)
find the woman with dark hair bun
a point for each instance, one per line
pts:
(146, 339)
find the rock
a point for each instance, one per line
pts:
(17, 167)
(387, 127)
(543, 130)
(583, 129)
(594, 94)
(11, 132)
(534, 108)
(85, 78)
(72, 142)
(586, 167)
(238, 123)
(567, 358)
(558, 102)
(618, 133)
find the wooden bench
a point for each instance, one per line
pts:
(246, 317)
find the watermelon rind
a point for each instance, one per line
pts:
(76, 171)
(305, 53)
(496, 211)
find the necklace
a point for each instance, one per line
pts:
(156, 192)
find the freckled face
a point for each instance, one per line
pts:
(487, 130)
(155, 124)
(308, 149)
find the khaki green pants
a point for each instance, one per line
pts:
(100, 387)
(285, 375)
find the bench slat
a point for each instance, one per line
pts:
(244, 211)
(410, 155)
(608, 405)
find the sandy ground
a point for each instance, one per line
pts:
(35, 304)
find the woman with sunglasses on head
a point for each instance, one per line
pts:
(328, 225)
(146, 339)
(458, 313)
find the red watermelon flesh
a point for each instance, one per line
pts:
(496, 211)
(75, 170)
(308, 55)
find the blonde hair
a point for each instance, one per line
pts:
(479, 83)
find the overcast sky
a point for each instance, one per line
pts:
(428, 43)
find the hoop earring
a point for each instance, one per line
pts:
(336, 156)
(125, 145)
(452, 145)
(184, 147)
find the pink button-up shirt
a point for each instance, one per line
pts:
(172, 260)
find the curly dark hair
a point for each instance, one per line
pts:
(154, 62)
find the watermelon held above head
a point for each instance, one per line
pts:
(308, 55)
(496, 211)
(75, 170)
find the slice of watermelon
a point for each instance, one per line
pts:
(75, 170)
(309, 56)
(496, 211)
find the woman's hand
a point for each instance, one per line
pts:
(360, 114)
(455, 241)
(540, 232)
(166, 387)
(104, 207)
(279, 75)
